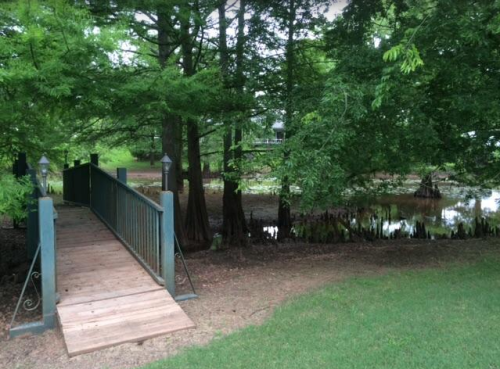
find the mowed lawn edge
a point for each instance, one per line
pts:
(447, 317)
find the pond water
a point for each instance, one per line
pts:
(440, 216)
(400, 212)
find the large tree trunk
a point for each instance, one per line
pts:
(179, 140)
(284, 214)
(171, 124)
(169, 146)
(196, 226)
(152, 151)
(427, 189)
(233, 224)
(240, 83)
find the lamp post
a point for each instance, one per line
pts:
(166, 163)
(44, 169)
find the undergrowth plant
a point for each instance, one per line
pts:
(14, 196)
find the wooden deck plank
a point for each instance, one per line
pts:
(107, 298)
(97, 294)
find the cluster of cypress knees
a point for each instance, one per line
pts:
(344, 227)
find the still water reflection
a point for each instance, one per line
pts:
(439, 216)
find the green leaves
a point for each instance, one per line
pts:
(409, 56)
(14, 196)
(54, 74)
(393, 53)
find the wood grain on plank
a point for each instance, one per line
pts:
(107, 298)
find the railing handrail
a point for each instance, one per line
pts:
(75, 167)
(136, 193)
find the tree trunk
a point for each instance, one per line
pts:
(427, 189)
(171, 125)
(169, 146)
(152, 151)
(284, 214)
(238, 132)
(196, 225)
(233, 223)
(180, 143)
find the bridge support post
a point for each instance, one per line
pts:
(94, 159)
(48, 260)
(167, 241)
(121, 175)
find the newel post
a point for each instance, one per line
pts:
(121, 175)
(94, 159)
(167, 241)
(48, 260)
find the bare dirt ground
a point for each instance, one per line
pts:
(259, 206)
(240, 288)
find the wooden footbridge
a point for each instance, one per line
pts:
(107, 264)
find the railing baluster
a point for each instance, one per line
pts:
(145, 233)
(136, 226)
(139, 228)
(149, 240)
(156, 242)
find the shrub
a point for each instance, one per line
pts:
(14, 196)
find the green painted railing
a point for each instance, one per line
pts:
(76, 187)
(135, 219)
(41, 240)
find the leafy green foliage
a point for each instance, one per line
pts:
(411, 89)
(52, 67)
(14, 196)
(409, 54)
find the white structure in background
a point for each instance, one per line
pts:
(279, 130)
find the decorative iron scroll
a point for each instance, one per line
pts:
(29, 304)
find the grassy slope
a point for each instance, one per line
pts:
(446, 318)
(113, 158)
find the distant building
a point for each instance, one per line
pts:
(279, 130)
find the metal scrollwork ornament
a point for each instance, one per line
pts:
(29, 304)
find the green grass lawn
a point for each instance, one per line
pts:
(113, 158)
(446, 318)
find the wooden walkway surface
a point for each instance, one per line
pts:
(106, 297)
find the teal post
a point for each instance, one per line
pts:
(94, 159)
(14, 168)
(167, 241)
(48, 260)
(21, 164)
(121, 175)
(32, 220)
